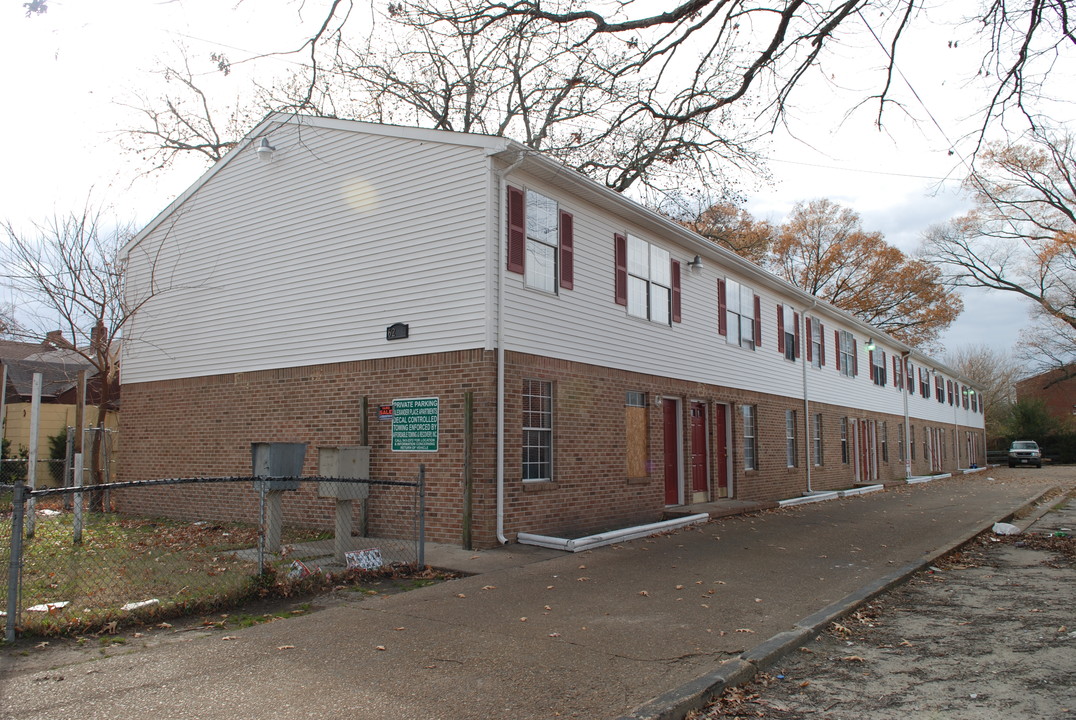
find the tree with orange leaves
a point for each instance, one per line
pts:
(734, 229)
(1021, 236)
(823, 248)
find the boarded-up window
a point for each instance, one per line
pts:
(638, 450)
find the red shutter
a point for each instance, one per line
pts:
(758, 321)
(620, 252)
(780, 328)
(810, 339)
(516, 232)
(821, 344)
(837, 349)
(796, 319)
(567, 251)
(676, 291)
(870, 359)
(896, 373)
(722, 309)
(855, 358)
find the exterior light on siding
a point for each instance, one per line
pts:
(695, 264)
(870, 344)
(265, 151)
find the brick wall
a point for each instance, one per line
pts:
(204, 426)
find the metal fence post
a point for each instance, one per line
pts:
(422, 516)
(261, 527)
(15, 562)
(77, 480)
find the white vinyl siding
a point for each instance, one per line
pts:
(309, 259)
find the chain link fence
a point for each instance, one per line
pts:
(72, 568)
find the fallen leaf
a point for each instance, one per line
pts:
(380, 647)
(490, 587)
(523, 619)
(744, 630)
(554, 634)
(583, 579)
(163, 625)
(905, 643)
(548, 608)
(852, 658)
(644, 593)
(582, 567)
(399, 629)
(805, 683)
(460, 595)
(229, 637)
(41, 645)
(286, 647)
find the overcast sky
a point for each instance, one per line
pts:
(66, 71)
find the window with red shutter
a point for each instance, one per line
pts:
(567, 250)
(722, 320)
(809, 327)
(676, 291)
(620, 255)
(516, 232)
(758, 321)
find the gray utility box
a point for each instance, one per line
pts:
(350, 462)
(277, 460)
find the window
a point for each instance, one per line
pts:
(816, 440)
(924, 382)
(878, 371)
(638, 447)
(844, 441)
(911, 439)
(788, 332)
(790, 438)
(885, 441)
(898, 376)
(650, 281)
(542, 236)
(741, 310)
(964, 394)
(949, 390)
(900, 442)
(939, 388)
(537, 430)
(750, 458)
(847, 353)
(540, 241)
(816, 346)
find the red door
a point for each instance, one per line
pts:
(721, 450)
(700, 475)
(671, 411)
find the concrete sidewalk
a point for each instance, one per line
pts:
(599, 634)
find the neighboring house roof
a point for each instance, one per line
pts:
(57, 377)
(15, 350)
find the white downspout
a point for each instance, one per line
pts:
(907, 420)
(502, 245)
(808, 444)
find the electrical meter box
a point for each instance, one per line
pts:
(275, 461)
(349, 462)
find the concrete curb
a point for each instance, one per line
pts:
(694, 695)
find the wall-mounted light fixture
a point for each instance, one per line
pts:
(870, 344)
(695, 264)
(265, 151)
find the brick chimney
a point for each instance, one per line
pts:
(56, 339)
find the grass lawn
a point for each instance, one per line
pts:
(137, 569)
